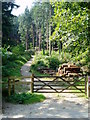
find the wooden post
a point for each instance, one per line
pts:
(9, 87)
(13, 87)
(32, 84)
(88, 86)
(85, 85)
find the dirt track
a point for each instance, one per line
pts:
(67, 106)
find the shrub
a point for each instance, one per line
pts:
(53, 63)
(5, 55)
(26, 98)
(33, 67)
(47, 52)
(18, 50)
(12, 61)
(39, 63)
(13, 57)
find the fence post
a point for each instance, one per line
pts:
(88, 86)
(9, 87)
(85, 85)
(13, 87)
(32, 83)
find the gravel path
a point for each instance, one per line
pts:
(63, 105)
(26, 68)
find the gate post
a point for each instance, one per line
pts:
(13, 87)
(32, 83)
(85, 85)
(88, 86)
(9, 87)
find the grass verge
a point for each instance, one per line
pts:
(37, 73)
(26, 98)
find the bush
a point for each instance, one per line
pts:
(33, 67)
(26, 98)
(12, 61)
(47, 52)
(12, 57)
(64, 57)
(43, 61)
(39, 63)
(53, 63)
(18, 50)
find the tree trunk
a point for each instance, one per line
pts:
(49, 47)
(27, 40)
(43, 47)
(49, 32)
(36, 38)
(33, 36)
(47, 37)
(39, 40)
(60, 47)
(52, 46)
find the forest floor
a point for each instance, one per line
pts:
(63, 105)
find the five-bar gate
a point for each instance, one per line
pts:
(59, 84)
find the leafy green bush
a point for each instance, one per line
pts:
(64, 57)
(47, 52)
(33, 67)
(55, 54)
(53, 63)
(43, 61)
(26, 98)
(12, 61)
(12, 57)
(22, 58)
(19, 50)
(39, 63)
(5, 55)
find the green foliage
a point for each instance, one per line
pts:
(25, 28)
(38, 64)
(26, 98)
(12, 61)
(34, 25)
(31, 45)
(47, 53)
(43, 61)
(70, 22)
(19, 49)
(65, 57)
(53, 63)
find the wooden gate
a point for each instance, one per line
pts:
(52, 84)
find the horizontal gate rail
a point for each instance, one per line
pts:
(54, 92)
(54, 85)
(45, 84)
(60, 76)
(59, 89)
(55, 81)
(76, 82)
